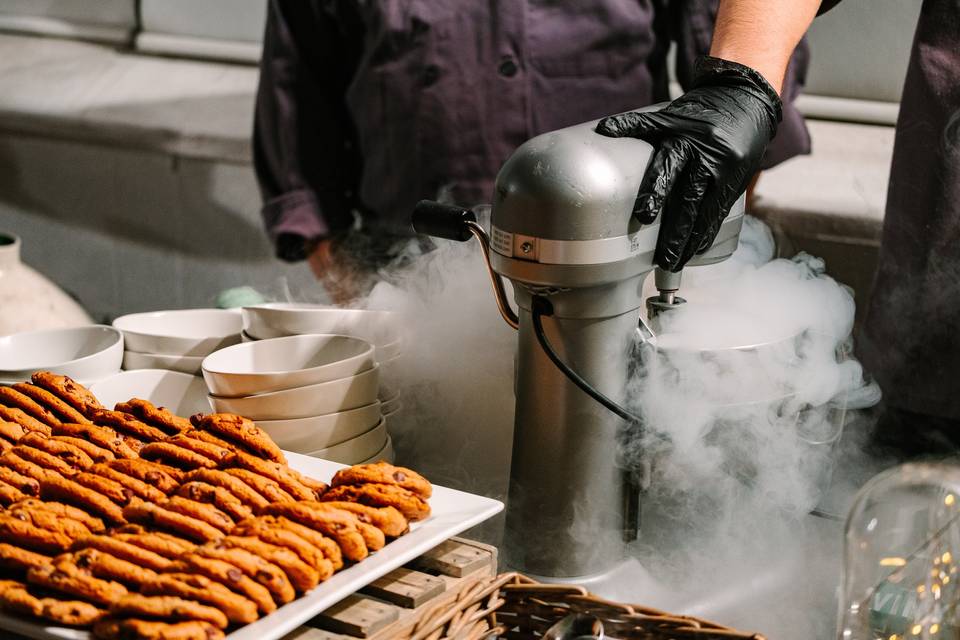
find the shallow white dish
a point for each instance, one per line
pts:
(453, 512)
(319, 432)
(302, 402)
(183, 332)
(185, 364)
(91, 352)
(386, 453)
(278, 319)
(284, 363)
(356, 450)
(181, 393)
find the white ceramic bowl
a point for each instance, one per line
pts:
(284, 363)
(388, 351)
(391, 406)
(184, 364)
(85, 353)
(181, 393)
(246, 337)
(302, 402)
(386, 454)
(309, 434)
(354, 450)
(390, 372)
(184, 332)
(280, 319)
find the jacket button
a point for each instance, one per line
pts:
(431, 73)
(508, 68)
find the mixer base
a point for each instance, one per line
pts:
(623, 579)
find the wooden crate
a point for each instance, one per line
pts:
(391, 604)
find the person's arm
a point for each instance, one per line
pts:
(304, 148)
(711, 140)
(762, 34)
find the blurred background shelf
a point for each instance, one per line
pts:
(157, 148)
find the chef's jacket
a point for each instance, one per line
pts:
(370, 106)
(911, 336)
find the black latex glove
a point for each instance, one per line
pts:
(709, 143)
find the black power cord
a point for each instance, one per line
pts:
(542, 307)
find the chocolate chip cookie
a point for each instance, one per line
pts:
(243, 431)
(64, 576)
(172, 608)
(229, 576)
(123, 550)
(255, 567)
(302, 576)
(217, 496)
(334, 523)
(151, 514)
(74, 394)
(237, 608)
(47, 400)
(17, 598)
(159, 417)
(14, 399)
(384, 473)
(237, 487)
(412, 506)
(24, 419)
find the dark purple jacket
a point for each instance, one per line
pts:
(372, 106)
(911, 335)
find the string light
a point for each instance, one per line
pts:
(893, 562)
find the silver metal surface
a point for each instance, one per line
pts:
(562, 227)
(576, 251)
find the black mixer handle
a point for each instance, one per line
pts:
(442, 220)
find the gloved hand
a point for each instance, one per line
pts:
(709, 143)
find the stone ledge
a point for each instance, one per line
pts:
(86, 92)
(839, 190)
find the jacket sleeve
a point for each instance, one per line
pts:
(826, 5)
(303, 139)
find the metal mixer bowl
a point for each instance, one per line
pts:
(736, 418)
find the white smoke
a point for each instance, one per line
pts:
(745, 400)
(742, 441)
(456, 421)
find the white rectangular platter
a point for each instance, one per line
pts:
(452, 512)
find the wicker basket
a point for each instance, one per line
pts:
(512, 606)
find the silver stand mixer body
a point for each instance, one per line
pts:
(561, 228)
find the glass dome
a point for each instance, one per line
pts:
(901, 551)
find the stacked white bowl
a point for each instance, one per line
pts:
(86, 354)
(313, 394)
(181, 393)
(380, 328)
(176, 340)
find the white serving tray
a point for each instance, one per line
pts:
(452, 512)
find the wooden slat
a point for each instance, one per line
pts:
(406, 587)
(310, 633)
(357, 616)
(453, 558)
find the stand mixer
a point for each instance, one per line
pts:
(562, 233)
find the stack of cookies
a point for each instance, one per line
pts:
(143, 524)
